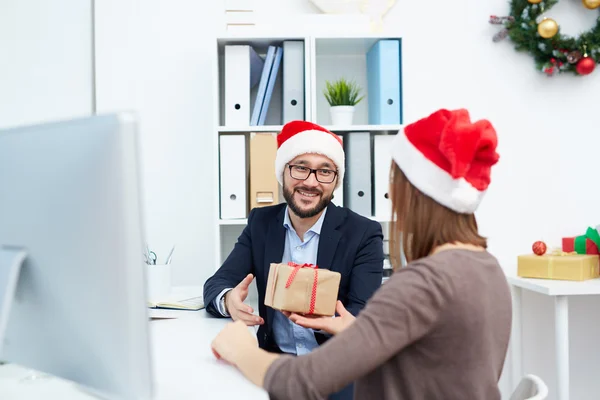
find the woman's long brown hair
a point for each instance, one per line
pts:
(420, 224)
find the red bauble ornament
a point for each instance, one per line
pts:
(585, 66)
(539, 248)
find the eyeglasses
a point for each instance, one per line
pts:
(302, 173)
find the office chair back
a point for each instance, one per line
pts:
(531, 387)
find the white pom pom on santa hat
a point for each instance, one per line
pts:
(448, 157)
(302, 137)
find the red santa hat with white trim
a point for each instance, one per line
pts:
(448, 157)
(301, 137)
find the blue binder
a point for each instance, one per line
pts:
(262, 86)
(384, 82)
(270, 85)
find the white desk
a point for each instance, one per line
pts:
(560, 290)
(183, 363)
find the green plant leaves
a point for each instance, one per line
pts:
(342, 93)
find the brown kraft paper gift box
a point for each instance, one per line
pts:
(561, 266)
(304, 289)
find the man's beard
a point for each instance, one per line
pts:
(288, 195)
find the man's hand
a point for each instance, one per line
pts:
(327, 324)
(234, 302)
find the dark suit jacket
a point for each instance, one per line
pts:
(349, 244)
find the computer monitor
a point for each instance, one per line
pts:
(70, 199)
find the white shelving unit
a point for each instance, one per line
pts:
(326, 58)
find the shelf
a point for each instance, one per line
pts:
(382, 220)
(351, 58)
(332, 128)
(551, 287)
(259, 128)
(259, 42)
(362, 128)
(242, 222)
(326, 57)
(345, 46)
(233, 222)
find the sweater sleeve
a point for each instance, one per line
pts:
(401, 312)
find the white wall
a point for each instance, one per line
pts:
(546, 140)
(45, 61)
(154, 57)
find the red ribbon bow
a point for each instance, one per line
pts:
(313, 296)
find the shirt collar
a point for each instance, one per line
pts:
(316, 228)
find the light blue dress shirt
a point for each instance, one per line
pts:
(292, 338)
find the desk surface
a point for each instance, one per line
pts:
(552, 287)
(184, 366)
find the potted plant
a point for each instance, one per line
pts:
(342, 95)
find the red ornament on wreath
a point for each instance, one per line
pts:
(586, 65)
(539, 248)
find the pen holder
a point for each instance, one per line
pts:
(159, 281)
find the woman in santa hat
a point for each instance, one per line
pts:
(439, 327)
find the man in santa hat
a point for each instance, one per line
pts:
(308, 228)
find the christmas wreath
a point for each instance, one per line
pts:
(532, 31)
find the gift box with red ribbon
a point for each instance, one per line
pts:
(589, 243)
(302, 288)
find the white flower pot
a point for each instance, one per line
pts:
(342, 115)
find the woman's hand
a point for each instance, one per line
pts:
(233, 342)
(236, 345)
(327, 324)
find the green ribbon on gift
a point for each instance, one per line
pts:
(580, 245)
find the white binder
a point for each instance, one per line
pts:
(293, 80)
(338, 194)
(233, 176)
(358, 167)
(243, 68)
(382, 160)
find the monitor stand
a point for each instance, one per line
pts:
(11, 263)
(11, 260)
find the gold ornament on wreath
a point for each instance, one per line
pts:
(532, 30)
(591, 4)
(547, 28)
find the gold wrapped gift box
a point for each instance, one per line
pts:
(302, 289)
(569, 267)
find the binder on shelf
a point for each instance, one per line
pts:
(270, 85)
(262, 86)
(384, 82)
(293, 81)
(264, 188)
(233, 176)
(243, 68)
(280, 191)
(357, 195)
(382, 160)
(338, 194)
(386, 247)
